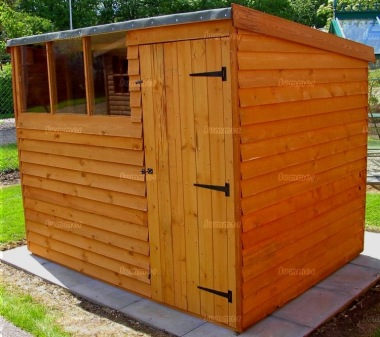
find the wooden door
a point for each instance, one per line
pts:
(188, 142)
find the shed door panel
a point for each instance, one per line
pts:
(185, 143)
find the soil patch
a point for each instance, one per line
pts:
(9, 178)
(360, 319)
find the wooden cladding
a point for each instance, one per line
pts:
(83, 187)
(85, 195)
(193, 255)
(255, 22)
(303, 148)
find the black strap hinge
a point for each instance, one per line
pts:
(222, 74)
(227, 295)
(225, 188)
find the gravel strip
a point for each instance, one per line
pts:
(6, 124)
(78, 316)
(7, 131)
(9, 330)
(373, 166)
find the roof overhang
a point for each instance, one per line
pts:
(243, 17)
(159, 21)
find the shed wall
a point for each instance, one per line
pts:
(84, 193)
(303, 118)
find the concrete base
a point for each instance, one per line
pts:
(298, 318)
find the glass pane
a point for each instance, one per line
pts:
(110, 72)
(35, 78)
(70, 81)
(365, 31)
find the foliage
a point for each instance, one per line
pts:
(12, 223)
(305, 12)
(6, 98)
(281, 8)
(354, 5)
(326, 11)
(28, 314)
(374, 85)
(374, 74)
(16, 23)
(57, 11)
(91, 12)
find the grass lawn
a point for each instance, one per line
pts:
(26, 313)
(8, 158)
(372, 217)
(12, 221)
(373, 143)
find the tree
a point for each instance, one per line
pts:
(305, 12)
(85, 12)
(281, 8)
(326, 11)
(15, 24)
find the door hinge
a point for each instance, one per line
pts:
(222, 74)
(227, 295)
(225, 188)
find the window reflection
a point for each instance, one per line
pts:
(110, 75)
(35, 78)
(69, 76)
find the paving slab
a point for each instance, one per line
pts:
(105, 294)
(371, 244)
(162, 317)
(21, 258)
(351, 279)
(277, 327)
(7, 329)
(296, 319)
(211, 330)
(313, 307)
(367, 261)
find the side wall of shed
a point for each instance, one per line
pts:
(84, 193)
(303, 115)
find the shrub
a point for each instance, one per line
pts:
(6, 97)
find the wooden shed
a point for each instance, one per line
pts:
(214, 161)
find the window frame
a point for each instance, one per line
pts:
(52, 86)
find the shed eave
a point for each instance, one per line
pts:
(159, 21)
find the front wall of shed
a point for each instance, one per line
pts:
(188, 140)
(303, 118)
(191, 229)
(84, 194)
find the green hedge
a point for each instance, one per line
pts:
(6, 98)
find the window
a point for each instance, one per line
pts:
(69, 77)
(65, 64)
(35, 78)
(110, 75)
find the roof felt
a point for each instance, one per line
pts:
(166, 20)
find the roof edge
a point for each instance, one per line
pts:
(158, 21)
(266, 24)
